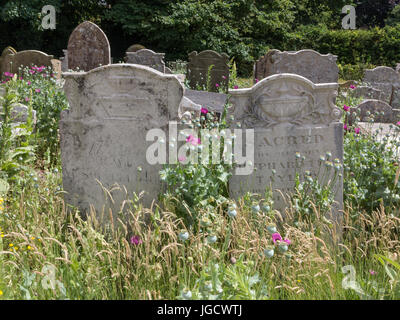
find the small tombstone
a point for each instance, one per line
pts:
(290, 116)
(19, 114)
(88, 47)
(198, 70)
(373, 110)
(135, 47)
(15, 62)
(384, 79)
(367, 92)
(103, 134)
(3, 66)
(146, 57)
(316, 67)
(212, 101)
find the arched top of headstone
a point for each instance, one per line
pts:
(378, 110)
(286, 98)
(135, 47)
(208, 54)
(381, 74)
(27, 58)
(8, 50)
(88, 47)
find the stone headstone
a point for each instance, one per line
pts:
(146, 57)
(376, 110)
(64, 61)
(367, 92)
(27, 58)
(103, 134)
(19, 114)
(289, 115)
(384, 79)
(135, 47)
(88, 47)
(3, 67)
(198, 69)
(318, 68)
(212, 101)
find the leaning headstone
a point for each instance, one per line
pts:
(146, 57)
(88, 47)
(135, 47)
(367, 92)
(3, 67)
(316, 67)
(384, 79)
(211, 101)
(291, 118)
(198, 70)
(17, 61)
(103, 134)
(373, 110)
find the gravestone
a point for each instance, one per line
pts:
(135, 47)
(3, 66)
(146, 57)
(212, 101)
(384, 79)
(376, 110)
(198, 69)
(367, 92)
(27, 58)
(64, 61)
(316, 67)
(291, 116)
(103, 134)
(88, 47)
(18, 115)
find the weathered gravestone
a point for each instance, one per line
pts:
(211, 101)
(385, 79)
(291, 117)
(198, 70)
(148, 58)
(14, 62)
(88, 47)
(135, 47)
(367, 92)
(316, 67)
(3, 67)
(103, 134)
(377, 111)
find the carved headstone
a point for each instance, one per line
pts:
(316, 67)
(373, 110)
(14, 62)
(103, 134)
(291, 117)
(198, 70)
(88, 47)
(146, 57)
(384, 79)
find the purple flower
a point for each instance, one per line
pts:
(345, 127)
(372, 272)
(136, 240)
(181, 159)
(27, 99)
(29, 83)
(346, 108)
(357, 130)
(37, 90)
(352, 86)
(204, 111)
(217, 85)
(236, 87)
(276, 237)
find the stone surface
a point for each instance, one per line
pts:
(318, 68)
(103, 134)
(88, 47)
(198, 66)
(378, 110)
(64, 61)
(135, 47)
(210, 100)
(27, 58)
(3, 66)
(289, 115)
(19, 114)
(146, 57)
(384, 79)
(367, 92)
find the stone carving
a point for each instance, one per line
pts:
(103, 134)
(88, 47)
(290, 115)
(198, 67)
(148, 58)
(318, 68)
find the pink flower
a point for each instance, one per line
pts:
(37, 90)
(204, 111)
(181, 159)
(256, 80)
(345, 127)
(27, 99)
(217, 85)
(398, 123)
(346, 108)
(236, 87)
(276, 237)
(357, 130)
(29, 83)
(223, 77)
(372, 272)
(9, 74)
(136, 240)
(194, 141)
(287, 241)
(352, 86)
(20, 78)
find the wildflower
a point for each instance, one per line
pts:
(37, 90)
(345, 127)
(136, 240)
(357, 130)
(223, 77)
(372, 272)
(217, 85)
(181, 159)
(276, 237)
(346, 108)
(352, 86)
(1, 293)
(398, 123)
(256, 80)
(236, 87)
(204, 111)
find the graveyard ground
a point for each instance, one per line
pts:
(218, 249)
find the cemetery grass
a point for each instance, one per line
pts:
(232, 250)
